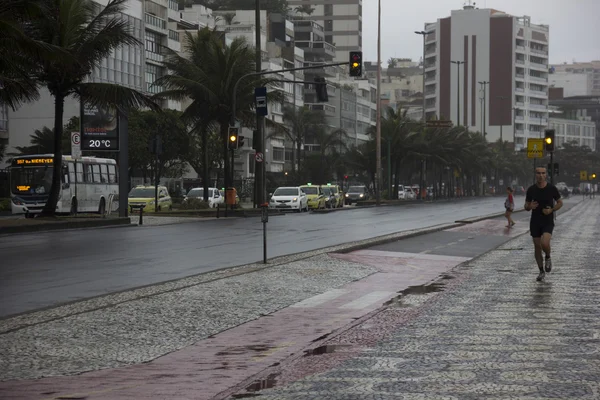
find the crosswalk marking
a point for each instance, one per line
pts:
(367, 300)
(320, 298)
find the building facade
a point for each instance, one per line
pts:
(573, 84)
(341, 22)
(581, 132)
(501, 84)
(591, 69)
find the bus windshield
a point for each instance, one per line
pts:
(31, 180)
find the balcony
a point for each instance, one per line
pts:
(173, 5)
(173, 35)
(430, 93)
(430, 78)
(155, 22)
(329, 110)
(518, 61)
(538, 93)
(519, 104)
(430, 66)
(520, 76)
(538, 106)
(327, 71)
(538, 66)
(316, 47)
(159, 58)
(520, 89)
(538, 79)
(520, 117)
(520, 49)
(538, 51)
(519, 132)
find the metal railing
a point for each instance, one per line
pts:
(155, 21)
(173, 35)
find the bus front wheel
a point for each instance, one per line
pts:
(73, 207)
(102, 207)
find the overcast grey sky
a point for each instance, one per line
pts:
(574, 25)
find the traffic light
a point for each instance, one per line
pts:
(356, 63)
(321, 88)
(232, 139)
(241, 141)
(593, 176)
(549, 140)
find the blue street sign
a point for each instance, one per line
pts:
(260, 96)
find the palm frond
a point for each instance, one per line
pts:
(107, 94)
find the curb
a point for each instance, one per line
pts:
(62, 225)
(478, 219)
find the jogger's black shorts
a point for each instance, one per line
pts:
(537, 228)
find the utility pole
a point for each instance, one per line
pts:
(458, 63)
(424, 117)
(378, 134)
(259, 145)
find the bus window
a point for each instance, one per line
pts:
(96, 170)
(103, 173)
(112, 174)
(79, 169)
(87, 173)
(71, 172)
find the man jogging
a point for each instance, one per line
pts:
(540, 200)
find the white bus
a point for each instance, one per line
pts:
(88, 184)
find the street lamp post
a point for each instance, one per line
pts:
(458, 63)
(502, 98)
(483, 121)
(422, 180)
(378, 135)
(515, 109)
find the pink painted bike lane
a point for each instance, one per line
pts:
(218, 363)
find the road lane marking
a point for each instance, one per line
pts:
(320, 298)
(367, 300)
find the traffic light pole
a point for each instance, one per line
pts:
(259, 167)
(552, 167)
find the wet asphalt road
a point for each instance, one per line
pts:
(46, 269)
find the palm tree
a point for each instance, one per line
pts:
(85, 36)
(304, 9)
(206, 74)
(302, 123)
(41, 142)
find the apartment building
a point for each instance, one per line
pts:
(573, 84)
(154, 24)
(581, 132)
(573, 71)
(502, 87)
(341, 22)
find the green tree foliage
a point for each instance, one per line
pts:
(67, 39)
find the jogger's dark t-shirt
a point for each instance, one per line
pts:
(545, 197)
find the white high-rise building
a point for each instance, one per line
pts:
(505, 59)
(341, 21)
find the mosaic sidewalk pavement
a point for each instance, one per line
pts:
(495, 333)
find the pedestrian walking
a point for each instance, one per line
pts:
(509, 205)
(540, 200)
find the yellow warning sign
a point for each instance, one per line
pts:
(583, 176)
(535, 148)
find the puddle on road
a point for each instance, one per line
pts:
(266, 383)
(325, 349)
(232, 351)
(418, 290)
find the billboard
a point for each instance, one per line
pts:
(100, 128)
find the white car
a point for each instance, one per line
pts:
(214, 196)
(289, 198)
(410, 193)
(401, 192)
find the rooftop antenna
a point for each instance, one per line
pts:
(469, 5)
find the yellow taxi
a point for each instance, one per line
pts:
(144, 195)
(314, 195)
(333, 195)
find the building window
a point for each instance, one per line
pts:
(278, 154)
(153, 72)
(328, 10)
(153, 42)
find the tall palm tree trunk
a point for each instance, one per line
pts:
(50, 207)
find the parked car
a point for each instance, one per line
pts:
(289, 198)
(214, 196)
(401, 192)
(334, 196)
(315, 197)
(145, 195)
